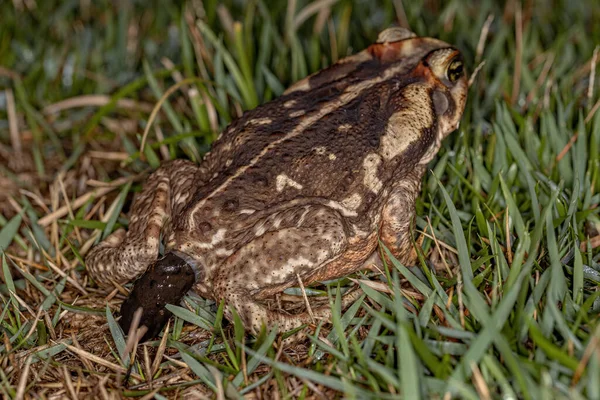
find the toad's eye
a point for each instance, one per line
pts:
(455, 70)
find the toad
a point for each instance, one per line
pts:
(303, 188)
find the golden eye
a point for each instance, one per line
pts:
(455, 70)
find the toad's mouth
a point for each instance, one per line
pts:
(164, 282)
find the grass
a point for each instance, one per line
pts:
(504, 303)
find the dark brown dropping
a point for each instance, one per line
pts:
(165, 282)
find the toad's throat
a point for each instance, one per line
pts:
(164, 282)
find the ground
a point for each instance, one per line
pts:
(504, 301)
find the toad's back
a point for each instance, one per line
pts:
(321, 139)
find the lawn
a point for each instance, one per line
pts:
(504, 301)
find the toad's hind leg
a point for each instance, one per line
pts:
(123, 256)
(277, 259)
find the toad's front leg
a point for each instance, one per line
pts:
(124, 256)
(398, 217)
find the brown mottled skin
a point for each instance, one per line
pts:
(299, 188)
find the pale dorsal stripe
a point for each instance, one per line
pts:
(351, 93)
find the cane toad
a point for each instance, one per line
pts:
(302, 187)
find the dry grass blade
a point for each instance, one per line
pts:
(482, 389)
(102, 387)
(590, 115)
(401, 14)
(518, 52)
(218, 382)
(81, 200)
(590, 92)
(136, 332)
(567, 147)
(594, 243)
(109, 155)
(92, 358)
(158, 105)
(69, 383)
(589, 351)
(150, 395)
(379, 286)
(311, 9)
(439, 249)
(306, 302)
(439, 242)
(20, 395)
(485, 29)
(475, 73)
(161, 349)
(13, 126)
(95, 100)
